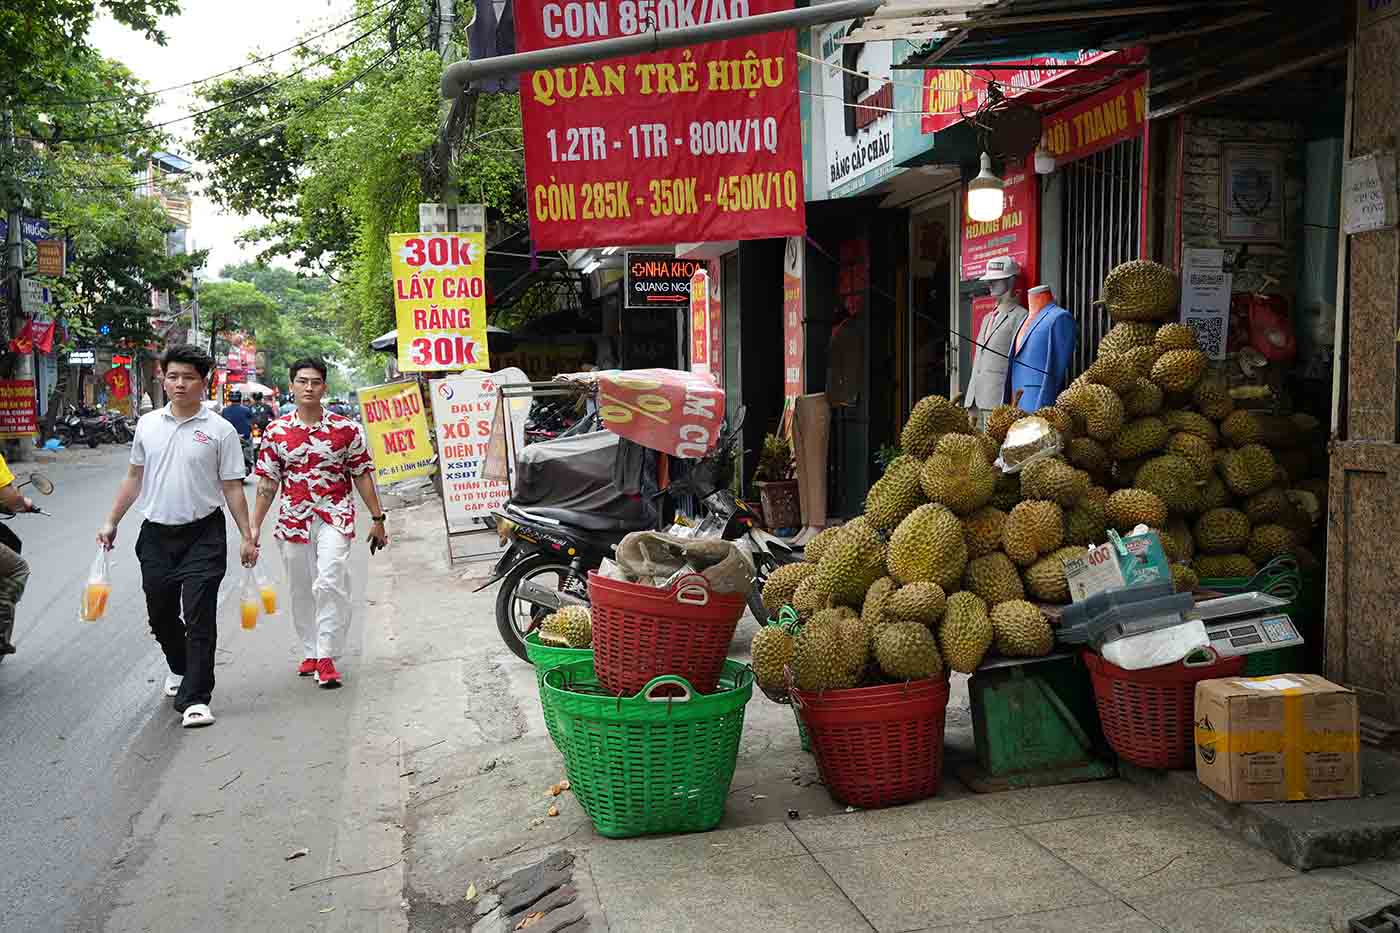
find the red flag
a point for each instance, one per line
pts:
(23, 341)
(44, 343)
(119, 382)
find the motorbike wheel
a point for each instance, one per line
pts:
(516, 618)
(92, 441)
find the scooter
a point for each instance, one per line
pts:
(44, 486)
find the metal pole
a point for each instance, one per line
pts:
(14, 272)
(458, 75)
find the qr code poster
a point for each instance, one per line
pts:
(1205, 299)
(1211, 332)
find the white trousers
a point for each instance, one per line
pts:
(319, 578)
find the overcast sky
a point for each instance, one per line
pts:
(211, 36)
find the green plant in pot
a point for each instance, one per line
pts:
(776, 487)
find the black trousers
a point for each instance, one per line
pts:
(184, 564)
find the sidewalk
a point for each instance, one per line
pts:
(1105, 856)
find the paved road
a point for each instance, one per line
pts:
(114, 817)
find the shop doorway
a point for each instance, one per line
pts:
(931, 360)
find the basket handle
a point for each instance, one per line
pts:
(1205, 658)
(693, 590)
(667, 680)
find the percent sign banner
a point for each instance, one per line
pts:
(697, 143)
(677, 413)
(440, 300)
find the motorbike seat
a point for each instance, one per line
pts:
(587, 521)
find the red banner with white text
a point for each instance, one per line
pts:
(696, 143)
(1014, 233)
(1095, 123)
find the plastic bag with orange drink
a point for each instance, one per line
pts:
(267, 592)
(249, 600)
(93, 604)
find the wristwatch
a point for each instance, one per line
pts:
(376, 518)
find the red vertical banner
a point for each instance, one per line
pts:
(793, 331)
(1012, 234)
(716, 326)
(700, 321)
(19, 412)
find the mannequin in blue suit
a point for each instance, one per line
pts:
(1041, 351)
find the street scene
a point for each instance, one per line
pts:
(742, 465)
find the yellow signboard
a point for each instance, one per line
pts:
(397, 431)
(440, 300)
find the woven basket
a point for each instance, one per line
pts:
(545, 657)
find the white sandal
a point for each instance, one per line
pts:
(172, 684)
(196, 716)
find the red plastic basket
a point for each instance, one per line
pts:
(1149, 715)
(878, 746)
(641, 632)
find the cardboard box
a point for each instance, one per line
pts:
(1285, 737)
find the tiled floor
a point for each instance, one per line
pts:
(1083, 858)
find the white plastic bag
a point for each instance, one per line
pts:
(249, 600)
(1153, 649)
(93, 603)
(267, 590)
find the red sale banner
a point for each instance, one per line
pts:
(678, 413)
(700, 321)
(697, 143)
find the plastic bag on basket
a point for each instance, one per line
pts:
(1028, 440)
(650, 558)
(98, 588)
(249, 600)
(1154, 649)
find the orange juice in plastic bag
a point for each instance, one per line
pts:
(95, 601)
(249, 603)
(248, 610)
(269, 599)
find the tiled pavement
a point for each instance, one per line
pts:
(1085, 858)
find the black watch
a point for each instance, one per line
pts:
(376, 518)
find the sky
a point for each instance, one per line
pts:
(208, 37)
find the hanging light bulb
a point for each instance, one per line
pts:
(986, 199)
(1044, 159)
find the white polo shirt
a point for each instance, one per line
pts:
(186, 462)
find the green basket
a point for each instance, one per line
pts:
(1305, 611)
(802, 734)
(648, 763)
(545, 657)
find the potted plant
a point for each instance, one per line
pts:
(777, 489)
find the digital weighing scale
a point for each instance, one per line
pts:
(1248, 623)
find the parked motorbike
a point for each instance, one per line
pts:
(73, 429)
(44, 486)
(554, 547)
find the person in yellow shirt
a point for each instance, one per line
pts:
(14, 572)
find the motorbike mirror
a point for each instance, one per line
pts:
(42, 483)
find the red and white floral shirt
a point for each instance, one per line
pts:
(314, 464)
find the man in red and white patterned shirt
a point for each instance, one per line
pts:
(314, 456)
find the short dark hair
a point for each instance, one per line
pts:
(308, 362)
(189, 354)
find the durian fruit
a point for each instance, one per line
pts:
(1029, 436)
(1274, 505)
(571, 626)
(1099, 406)
(1139, 438)
(1143, 359)
(958, 476)
(1224, 566)
(1181, 534)
(1053, 479)
(1126, 335)
(854, 560)
(966, 632)
(1179, 370)
(1142, 398)
(1008, 491)
(814, 549)
(982, 530)
(1175, 337)
(772, 653)
(1045, 579)
(1128, 508)
(1085, 524)
(917, 602)
(1222, 531)
(1249, 470)
(993, 578)
(931, 418)
(1173, 480)
(782, 583)
(1114, 370)
(818, 662)
(928, 546)
(907, 651)
(1034, 528)
(1124, 471)
(1214, 495)
(1212, 397)
(1243, 426)
(1140, 290)
(894, 495)
(1061, 419)
(1184, 579)
(872, 611)
(1172, 548)
(1001, 418)
(810, 597)
(1196, 451)
(990, 446)
(1267, 542)
(855, 643)
(1190, 422)
(1088, 455)
(1021, 631)
(1097, 494)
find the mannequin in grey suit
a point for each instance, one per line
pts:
(987, 387)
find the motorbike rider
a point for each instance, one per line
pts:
(262, 412)
(14, 571)
(239, 415)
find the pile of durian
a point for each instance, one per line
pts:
(952, 555)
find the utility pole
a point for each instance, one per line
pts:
(447, 23)
(14, 273)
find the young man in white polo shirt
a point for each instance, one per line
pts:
(186, 462)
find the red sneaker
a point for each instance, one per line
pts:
(326, 674)
(308, 667)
